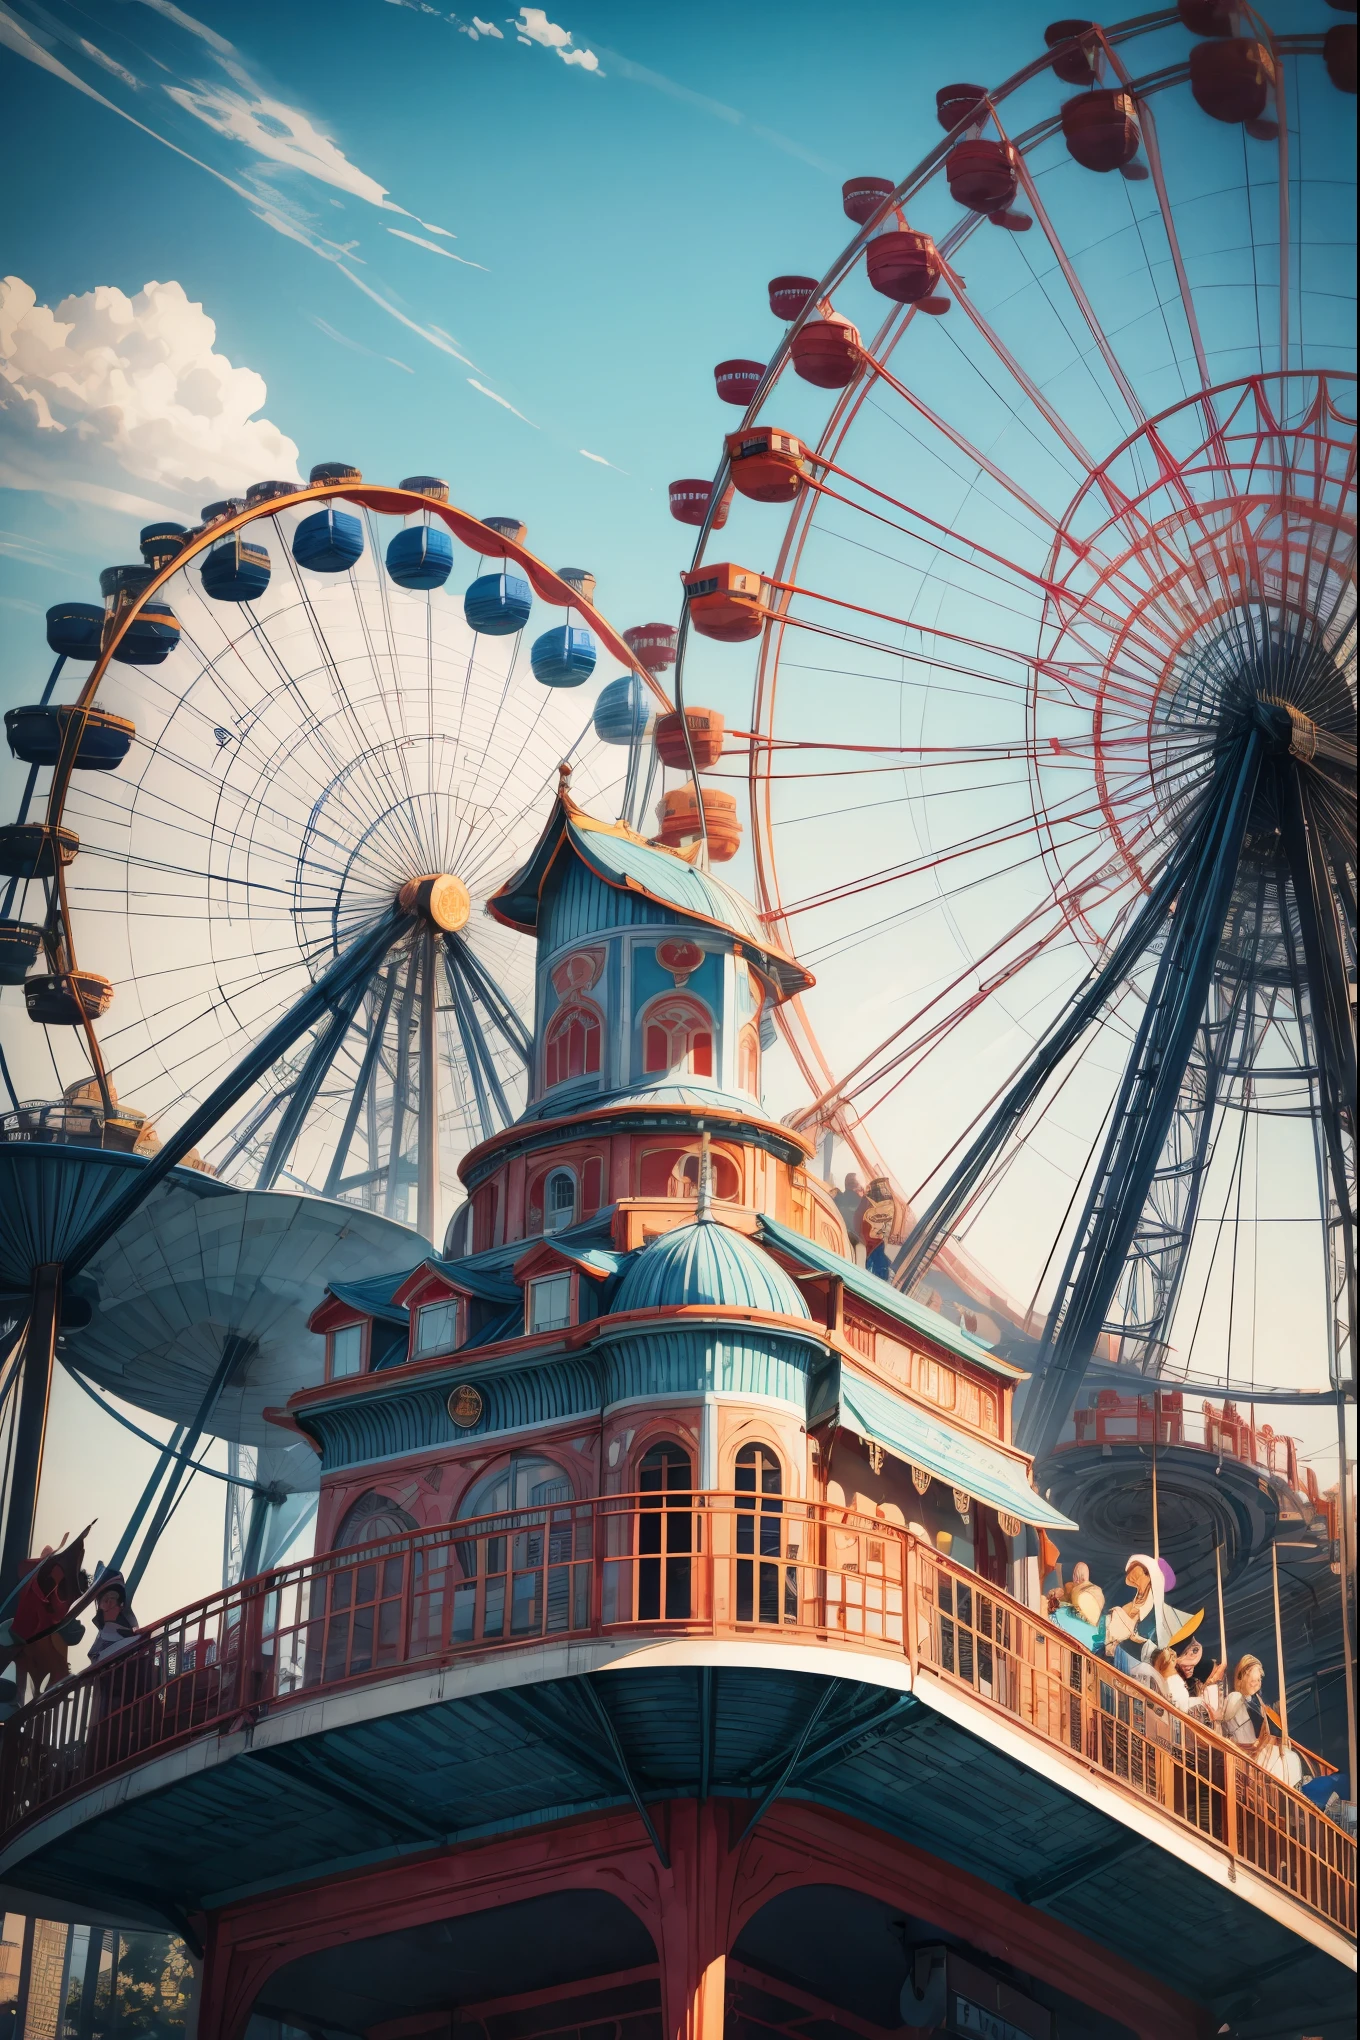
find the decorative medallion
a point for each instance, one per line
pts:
(1011, 1525)
(465, 1405)
(680, 958)
(963, 1502)
(920, 1479)
(574, 975)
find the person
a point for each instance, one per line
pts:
(1078, 1607)
(117, 1625)
(1245, 1723)
(1170, 1682)
(122, 1679)
(1204, 1690)
(1147, 1623)
(852, 1203)
(40, 1629)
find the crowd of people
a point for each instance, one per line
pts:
(1152, 1641)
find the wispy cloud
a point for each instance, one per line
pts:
(356, 346)
(533, 26)
(116, 70)
(600, 460)
(503, 401)
(435, 249)
(268, 206)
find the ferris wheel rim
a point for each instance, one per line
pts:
(381, 498)
(799, 521)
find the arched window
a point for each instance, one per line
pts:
(665, 1533)
(767, 1591)
(551, 1202)
(748, 1062)
(523, 1482)
(674, 1172)
(526, 1584)
(571, 1047)
(559, 1200)
(372, 1517)
(677, 1034)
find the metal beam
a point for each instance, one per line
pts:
(602, 1715)
(311, 1077)
(1146, 1100)
(1085, 1007)
(309, 1766)
(361, 1083)
(492, 997)
(1076, 1870)
(355, 962)
(776, 1786)
(30, 1421)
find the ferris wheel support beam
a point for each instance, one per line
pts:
(30, 1422)
(427, 1149)
(1334, 1048)
(361, 1083)
(1146, 1101)
(311, 1077)
(355, 962)
(929, 1233)
(401, 1089)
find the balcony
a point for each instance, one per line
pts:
(637, 1569)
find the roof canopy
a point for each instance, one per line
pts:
(980, 1469)
(618, 856)
(870, 1289)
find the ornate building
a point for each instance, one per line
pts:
(673, 1661)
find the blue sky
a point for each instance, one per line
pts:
(625, 220)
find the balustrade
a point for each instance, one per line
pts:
(720, 1565)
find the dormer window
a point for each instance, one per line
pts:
(437, 1327)
(548, 1303)
(346, 1354)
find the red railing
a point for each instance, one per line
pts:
(704, 1565)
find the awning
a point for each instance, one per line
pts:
(960, 1461)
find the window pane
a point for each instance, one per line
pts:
(347, 1351)
(436, 1327)
(550, 1303)
(560, 1203)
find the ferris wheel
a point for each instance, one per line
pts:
(1040, 527)
(300, 763)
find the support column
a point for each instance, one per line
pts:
(693, 1925)
(33, 1392)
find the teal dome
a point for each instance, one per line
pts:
(707, 1263)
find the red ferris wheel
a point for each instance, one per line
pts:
(1039, 524)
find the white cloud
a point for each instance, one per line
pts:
(115, 70)
(281, 133)
(503, 401)
(600, 460)
(534, 26)
(487, 28)
(182, 20)
(435, 249)
(107, 390)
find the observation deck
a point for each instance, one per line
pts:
(850, 1693)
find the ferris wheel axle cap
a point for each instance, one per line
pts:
(441, 898)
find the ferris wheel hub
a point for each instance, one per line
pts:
(442, 899)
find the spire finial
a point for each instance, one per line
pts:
(703, 1207)
(564, 776)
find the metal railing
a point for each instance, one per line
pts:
(676, 1564)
